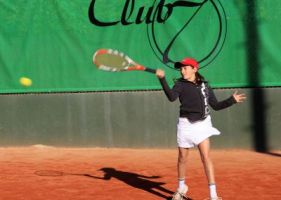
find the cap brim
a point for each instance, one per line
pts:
(178, 65)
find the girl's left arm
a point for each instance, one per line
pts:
(218, 105)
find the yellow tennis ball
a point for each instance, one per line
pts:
(25, 81)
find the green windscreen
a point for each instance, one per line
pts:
(52, 42)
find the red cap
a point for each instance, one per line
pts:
(187, 62)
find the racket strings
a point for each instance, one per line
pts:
(112, 60)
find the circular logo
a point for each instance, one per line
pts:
(199, 32)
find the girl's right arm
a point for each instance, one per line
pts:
(172, 94)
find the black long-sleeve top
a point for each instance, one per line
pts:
(194, 99)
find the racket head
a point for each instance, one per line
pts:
(114, 60)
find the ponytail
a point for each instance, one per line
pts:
(199, 78)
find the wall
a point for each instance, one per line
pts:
(140, 119)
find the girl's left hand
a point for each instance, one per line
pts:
(239, 98)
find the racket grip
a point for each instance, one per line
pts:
(150, 70)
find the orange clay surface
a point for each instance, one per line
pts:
(132, 174)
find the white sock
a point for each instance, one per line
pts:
(181, 182)
(213, 190)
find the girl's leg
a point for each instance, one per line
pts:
(182, 188)
(182, 159)
(204, 149)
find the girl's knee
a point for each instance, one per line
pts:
(182, 159)
(206, 159)
(182, 155)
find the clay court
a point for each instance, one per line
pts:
(150, 174)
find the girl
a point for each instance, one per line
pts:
(194, 126)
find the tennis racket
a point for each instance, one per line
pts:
(116, 61)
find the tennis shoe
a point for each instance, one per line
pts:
(180, 193)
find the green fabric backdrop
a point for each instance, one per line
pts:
(52, 43)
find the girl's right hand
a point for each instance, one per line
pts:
(160, 73)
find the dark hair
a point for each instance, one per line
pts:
(199, 78)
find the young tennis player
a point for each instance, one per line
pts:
(194, 125)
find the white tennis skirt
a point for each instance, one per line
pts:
(190, 134)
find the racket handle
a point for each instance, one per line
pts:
(150, 70)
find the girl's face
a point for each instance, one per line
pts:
(188, 73)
